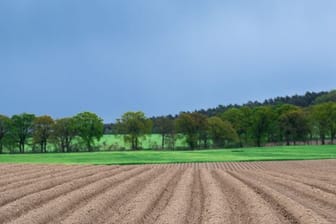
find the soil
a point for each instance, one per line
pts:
(233, 192)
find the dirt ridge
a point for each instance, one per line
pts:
(249, 192)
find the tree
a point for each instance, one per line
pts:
(240, 120)
(89, 127)
(22, 126)
(261, 119)
(324, 116)
(294, 125)
(328, 97)
(165, 127)
(221, 132)
(284, 126)
(194, 126)
(186, 125)
(42, 130)
(5, 125)
(64, 132)
(134, 125)
(201, 123)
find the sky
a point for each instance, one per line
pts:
(160, 56)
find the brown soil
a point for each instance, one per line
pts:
(251, 192)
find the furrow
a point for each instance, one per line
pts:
(33, 201)
(41, 177)
(246, 205)
(290, 209)
(41, 172)
(95, 210)
(319, 201)
(12, 169)
(239, 212)
(197, 200)
(325, 177)
(216, 208)
(178, 205)
(67, 202)
(143, 203)
(163, 199)
(30, 173)
(15, 194)
(315, 183)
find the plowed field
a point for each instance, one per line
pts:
(250, 192)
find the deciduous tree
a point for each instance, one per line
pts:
(42, 130)
(64, 132)
(294, 125)
(194, 126)
(166, 128)
(221, 132)
(22, 126)
(261, 120)
(89, 127)
(5, 125)
(240, 118)
(134, 125)
(324, 116)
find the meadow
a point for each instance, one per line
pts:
(154, 156)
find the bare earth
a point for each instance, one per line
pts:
(250, 192)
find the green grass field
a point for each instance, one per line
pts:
(151, 141)
(150, 156)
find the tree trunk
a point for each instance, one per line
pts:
(287, 141)
(163, 141)
(322, 139)
(332, 132)
(136, 144)
(89, 146)
(1, 147)
(240, 142)
(45, 146)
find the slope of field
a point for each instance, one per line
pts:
(149, 157)
(249, 192)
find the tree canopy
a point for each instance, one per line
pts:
(134, 125)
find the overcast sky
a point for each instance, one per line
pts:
(160, 56)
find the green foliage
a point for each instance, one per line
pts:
(42, 130)
(261, 121)
(329, 97)
(89, 127)
(241, 122)
(134, 125)
(194, 126)
(165, 126)
(5, 127)
(221, 132)
(22, 126)
(294, 125)
(251, 125)
(64, 133)
(324, 116)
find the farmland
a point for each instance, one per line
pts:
(250, 192)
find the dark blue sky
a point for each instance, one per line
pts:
(160, 56)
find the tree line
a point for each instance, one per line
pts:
(16, 131)
(236, 126)
(284, 124)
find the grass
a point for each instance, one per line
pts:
(150, 156)
(150, 141)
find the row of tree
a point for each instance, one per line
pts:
(238, 126)
(17, 130)
(253, 126)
